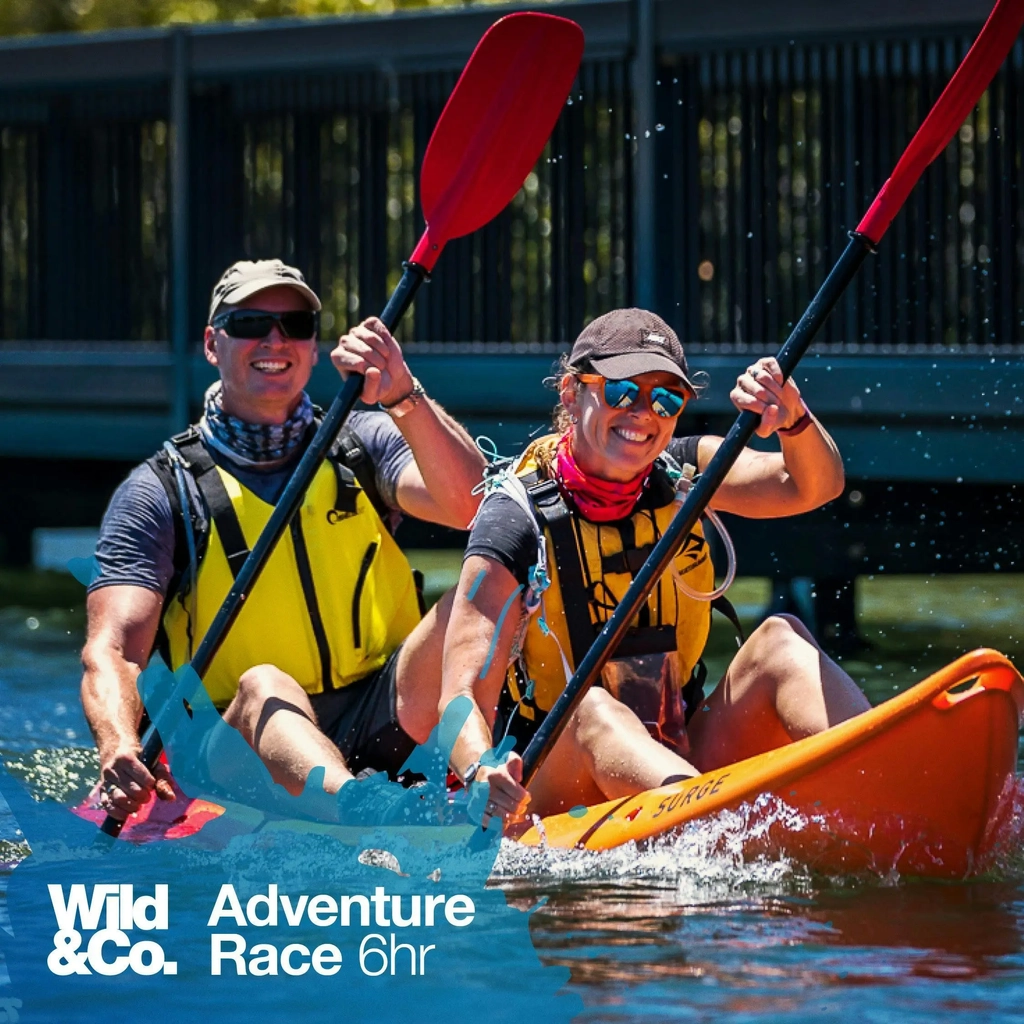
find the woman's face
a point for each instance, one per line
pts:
(618, 444)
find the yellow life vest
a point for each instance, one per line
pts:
(335, 599)
(536, 679)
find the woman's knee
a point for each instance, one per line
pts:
(598, 714)
(782, 629)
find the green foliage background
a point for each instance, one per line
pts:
(27, 17)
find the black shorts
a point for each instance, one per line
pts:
(361, 720)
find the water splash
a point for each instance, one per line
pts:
(1005, 837)
(706, 860)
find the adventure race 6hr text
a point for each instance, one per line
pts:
(111, 911)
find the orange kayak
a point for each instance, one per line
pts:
(923, 784)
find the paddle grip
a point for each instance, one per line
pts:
(413, 275)
(589, 668)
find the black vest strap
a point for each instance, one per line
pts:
(218, 503)
(725, 607)
(554, 514)
(349, 456)
(346, 491)
(626, 561)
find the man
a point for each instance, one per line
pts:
(318, 668)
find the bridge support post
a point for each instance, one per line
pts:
(179, 135)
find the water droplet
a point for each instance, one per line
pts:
(659, 127)
(32, 622)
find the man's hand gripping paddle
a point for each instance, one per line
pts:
(955, 103)
(487, 140)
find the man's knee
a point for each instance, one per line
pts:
(256, 686)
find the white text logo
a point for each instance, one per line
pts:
(120, 912)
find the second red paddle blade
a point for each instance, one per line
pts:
(495, 124)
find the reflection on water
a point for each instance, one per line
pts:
(819, 946)
(686, 929)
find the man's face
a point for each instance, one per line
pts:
(263, 377)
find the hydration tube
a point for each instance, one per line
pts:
(683, 485)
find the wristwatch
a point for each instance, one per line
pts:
(407, 404)
(470, 775)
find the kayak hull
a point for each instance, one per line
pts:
(922, 785)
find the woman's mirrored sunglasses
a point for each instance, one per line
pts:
(296, 324)
(620, 394)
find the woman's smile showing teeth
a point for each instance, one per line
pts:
(636, 436)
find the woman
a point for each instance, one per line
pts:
(554, 548)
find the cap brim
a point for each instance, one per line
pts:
(249, 288)
(634, 363)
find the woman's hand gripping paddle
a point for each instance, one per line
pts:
(957, 100)
(489, 136)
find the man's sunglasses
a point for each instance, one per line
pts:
(620, 394)
(296, 324)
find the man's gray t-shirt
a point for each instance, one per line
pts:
(136, 541)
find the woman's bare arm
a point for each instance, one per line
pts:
(483, 623)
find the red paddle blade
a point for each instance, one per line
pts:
(958, 99)
(495, 124)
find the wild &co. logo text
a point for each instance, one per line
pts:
(109, 950)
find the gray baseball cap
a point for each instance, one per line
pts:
(246, 278)
(628, 342)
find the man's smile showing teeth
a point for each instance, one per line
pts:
(271, 365)
(631, 435)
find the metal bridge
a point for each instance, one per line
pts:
(708, 164)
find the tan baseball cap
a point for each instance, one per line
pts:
(247, 277)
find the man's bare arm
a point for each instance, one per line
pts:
(122, 625)
(438, 485)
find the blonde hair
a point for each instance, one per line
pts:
(560, 419)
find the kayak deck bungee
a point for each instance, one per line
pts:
(920, 784)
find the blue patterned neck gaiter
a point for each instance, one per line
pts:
(253, 444)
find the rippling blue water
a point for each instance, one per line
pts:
(686, 930)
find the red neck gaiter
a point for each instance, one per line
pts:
(600, 501)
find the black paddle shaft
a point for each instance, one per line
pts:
(589, 669)
(401, 298)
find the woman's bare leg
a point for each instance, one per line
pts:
(780, 687)
(605, 752)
